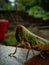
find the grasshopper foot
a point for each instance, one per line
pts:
(42, 56)
(12, 54)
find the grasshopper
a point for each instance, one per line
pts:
(28, 40)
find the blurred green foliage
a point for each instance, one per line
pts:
(38, 8)
(7, 4)
(10, 38)
(38, 11)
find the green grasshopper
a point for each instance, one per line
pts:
(27, 39)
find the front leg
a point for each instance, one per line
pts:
(11, 54)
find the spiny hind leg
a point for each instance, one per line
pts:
(27, 54)
(11, 54)
(41, 54)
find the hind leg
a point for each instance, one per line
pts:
(41, 54)
(11, 54)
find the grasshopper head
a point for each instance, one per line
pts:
(19, 33)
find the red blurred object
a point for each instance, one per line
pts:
(38, 60)
(3, 28)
